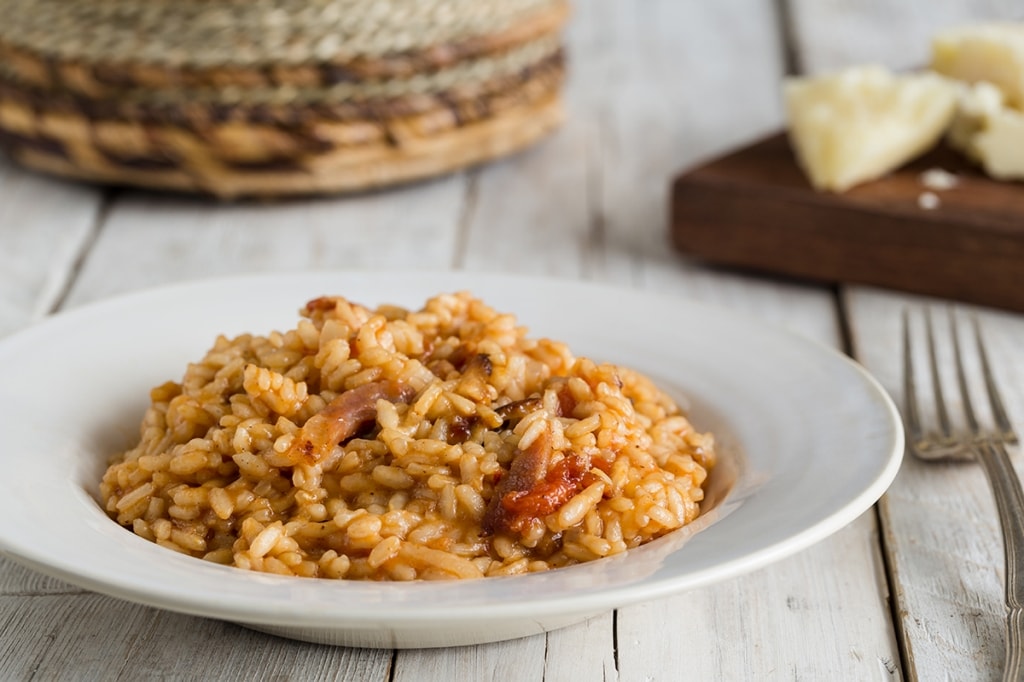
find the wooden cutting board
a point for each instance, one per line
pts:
(755, 209)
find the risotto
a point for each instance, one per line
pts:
(391, 444)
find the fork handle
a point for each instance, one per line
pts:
(1013, 668)
(1009, 500)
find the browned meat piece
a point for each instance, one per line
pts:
(533, 488)
(342, 419)
(528, 468)
(567, 478)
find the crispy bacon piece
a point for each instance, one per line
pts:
(342, 419)
(567, 478)
(533, 488)
(528, 468)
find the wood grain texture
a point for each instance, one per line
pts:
(585, 651)
(89, 636)
(517, 659)
(757, 632)
(44, 226)
(152, 239)
(596, 639)
(16, 580)
(754, 208)
(529, 214)
(671, 64)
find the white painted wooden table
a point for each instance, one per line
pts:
(911, 590)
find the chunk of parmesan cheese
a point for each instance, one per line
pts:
(989, 131)
(991, 52)
(861, 123)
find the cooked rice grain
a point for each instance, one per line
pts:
(446, 443)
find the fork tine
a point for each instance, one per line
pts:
(940, 402)
(998, 411)
(912, 415)
(961, 379)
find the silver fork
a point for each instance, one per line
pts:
(988, 447)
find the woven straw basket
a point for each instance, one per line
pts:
(275, 97)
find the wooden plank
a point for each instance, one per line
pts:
(18, 580)
(152, 239)
(44, 227)
(940, 523)
(831, 34)
(58, 634)
(585, 651)
(225, 651)
(89, 636)
(517, 659)
(529, 214)
(754, 208)
(673, 106)
(759, 626)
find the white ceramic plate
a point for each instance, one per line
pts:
(809, 441)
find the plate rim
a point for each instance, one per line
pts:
(600, 600)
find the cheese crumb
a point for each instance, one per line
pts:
(928, 201)
(939, 180)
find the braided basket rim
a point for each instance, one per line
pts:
(202, 34)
